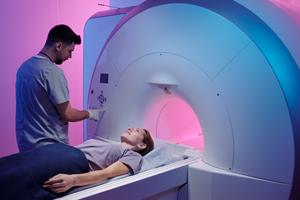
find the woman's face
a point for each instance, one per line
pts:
(133, 136)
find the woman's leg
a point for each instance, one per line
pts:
(22, 175)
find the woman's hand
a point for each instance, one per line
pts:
(60, 183)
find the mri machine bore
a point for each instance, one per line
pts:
(221, 77)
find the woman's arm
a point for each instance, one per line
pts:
(63, 182)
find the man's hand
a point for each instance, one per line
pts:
(94, 113)
(60, 183)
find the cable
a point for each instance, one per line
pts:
(109, 6)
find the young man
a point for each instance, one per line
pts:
(94, 161)
(43, 107)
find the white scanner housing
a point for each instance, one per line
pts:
(227, 70)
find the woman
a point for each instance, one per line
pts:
(48, 171)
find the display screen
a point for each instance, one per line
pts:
(103, 78)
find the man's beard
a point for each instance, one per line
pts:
(58, 61)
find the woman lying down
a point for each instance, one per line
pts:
(49, 171)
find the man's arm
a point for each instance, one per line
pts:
(63, 182)
(70, 114)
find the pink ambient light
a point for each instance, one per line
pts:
(291, 7)
(173, 119)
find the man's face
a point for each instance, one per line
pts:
(64, 52)
(133, 136)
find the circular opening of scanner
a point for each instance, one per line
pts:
(172, 119)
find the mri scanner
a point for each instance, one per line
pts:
(221, 77)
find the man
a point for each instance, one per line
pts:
(43, 107)
(29, 173)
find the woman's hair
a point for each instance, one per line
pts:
(148, 141)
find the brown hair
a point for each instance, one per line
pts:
(148, 141)
(62, 33)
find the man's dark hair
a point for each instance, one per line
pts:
(62, 33)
